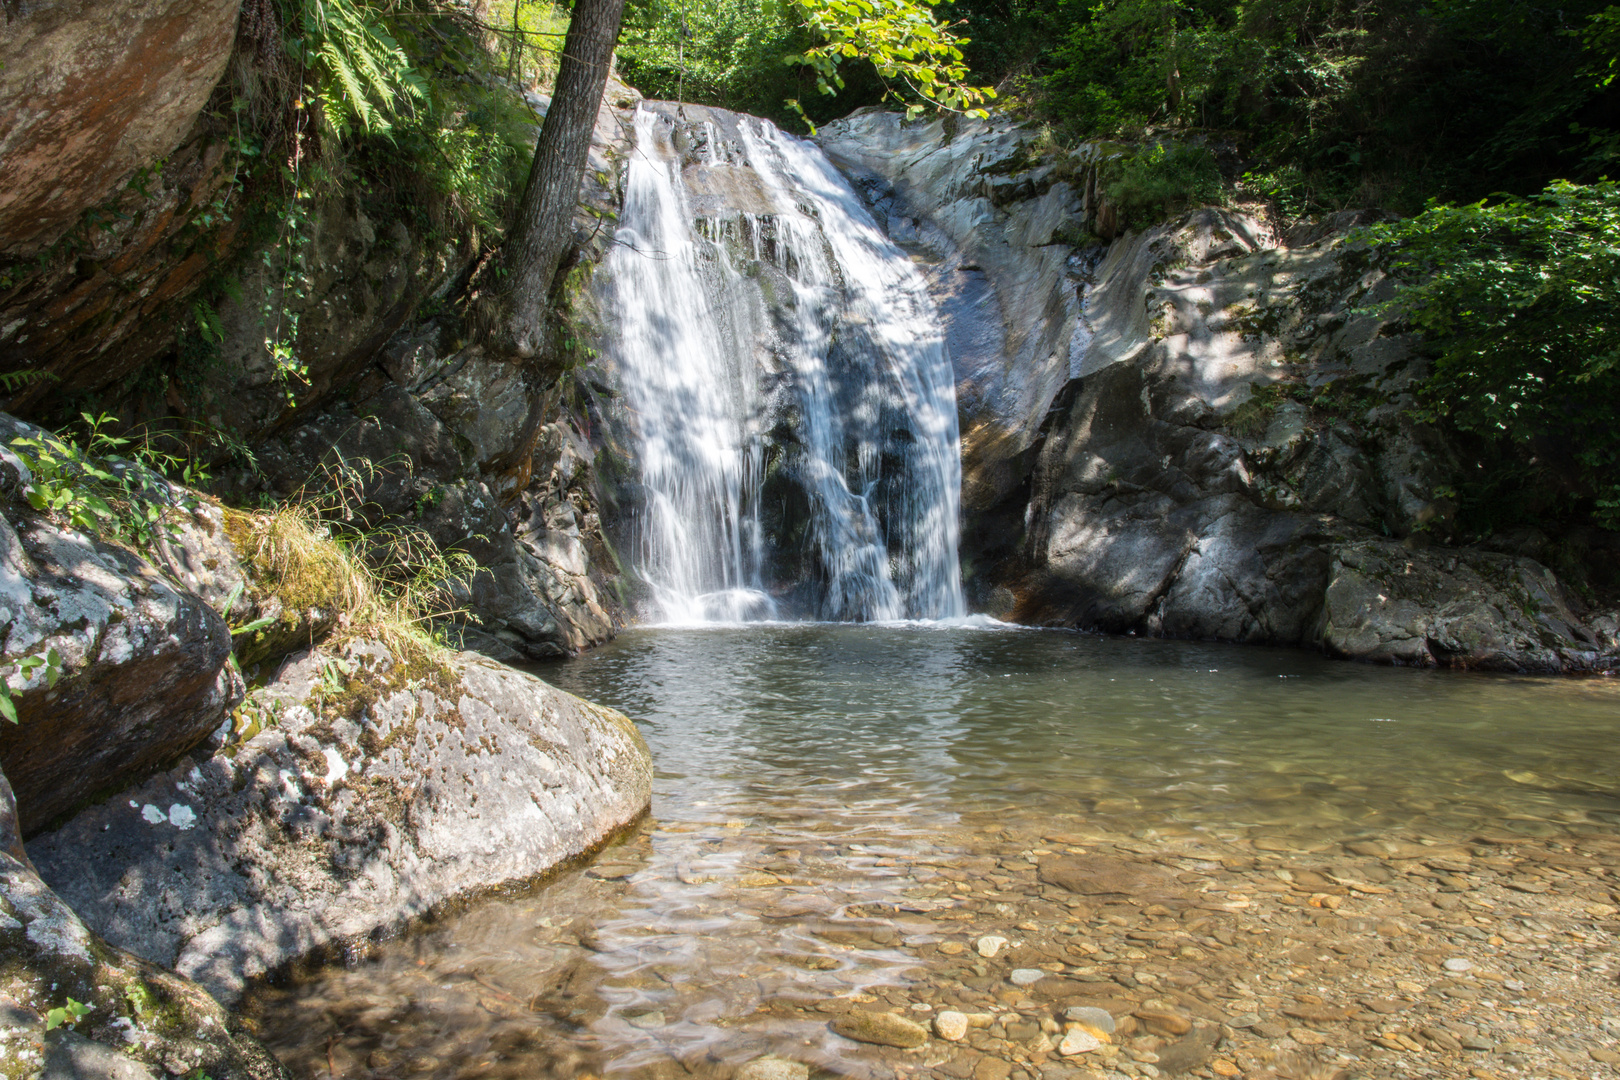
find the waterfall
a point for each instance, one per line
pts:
(785, 376)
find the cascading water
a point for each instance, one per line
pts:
(786, 376)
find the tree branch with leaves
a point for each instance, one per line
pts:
(904, 42)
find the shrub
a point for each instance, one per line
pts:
(1160, 181)
(1518, 301)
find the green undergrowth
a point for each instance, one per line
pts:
(319, 557)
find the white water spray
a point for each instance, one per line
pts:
(774, 345)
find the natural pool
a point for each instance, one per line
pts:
(841, 812)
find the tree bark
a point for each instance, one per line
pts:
(545, 218)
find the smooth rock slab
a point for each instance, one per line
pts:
(883, 1029)
(350, 816)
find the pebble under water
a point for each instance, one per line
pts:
(1257, 862)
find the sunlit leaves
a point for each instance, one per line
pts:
(1520, 299)
(364, 75)
(917, 55)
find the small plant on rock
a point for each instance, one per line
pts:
(105, 484)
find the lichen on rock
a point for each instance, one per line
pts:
(372, 795)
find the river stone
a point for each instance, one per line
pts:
(348, 817)
(772, 1068)
(1190, 1052)
(1091, 1016)
(1099, 875)
(989, 945)
(1457, 963)
(883, 1029)
(951, 1025)
(1078, 1041)
(1164, 1021)
(1026, 976)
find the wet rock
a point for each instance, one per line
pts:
(951, 1025)
(1101, 875)
(352, 812)
(771, 1068)
(1164, 1021)
(990, 946)
(1078, 1041)
(884, 1029)
(1026, 976)
(1092, 1017)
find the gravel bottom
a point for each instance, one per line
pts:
(1003, 948)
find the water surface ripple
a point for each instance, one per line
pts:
(823, 792)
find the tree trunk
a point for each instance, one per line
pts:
(545, 219)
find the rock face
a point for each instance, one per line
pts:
(990, 231)
(144, 673)
(1197, 430)
(535, 594)
(362, 803)
(82, 109)
(1388, 603)
(142, 1022)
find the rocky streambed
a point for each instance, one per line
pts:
(1307, 874)
(1008, 947)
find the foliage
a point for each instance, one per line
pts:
(530, 37)
(71, 1013)
(95, 488)
(1337, 103)
(1159, 181)
(50, 662)
(320, 550)
(361, 74)
(729, 53)
(1519, 300)
(763, 56)
(903, 41)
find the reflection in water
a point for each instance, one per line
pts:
(820, 787)
(923, 719)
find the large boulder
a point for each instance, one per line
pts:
(82, 108)
(375, 792)
(144, 673)
(1434, 606)
(129, 1019)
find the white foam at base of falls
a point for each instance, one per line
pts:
(751, 288)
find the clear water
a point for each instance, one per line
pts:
(766, 330)
(808, 773)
